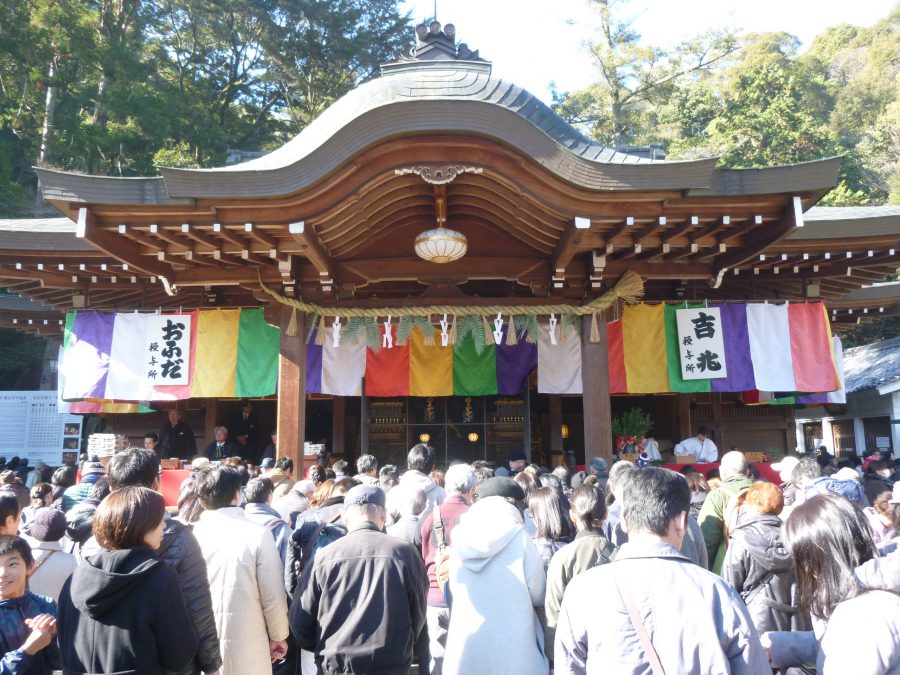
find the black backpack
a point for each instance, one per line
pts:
(305, 541)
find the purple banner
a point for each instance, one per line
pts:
(514, 363)
(87, 361)
(737, 349)
(313, 365)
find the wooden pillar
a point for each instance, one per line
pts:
(684, 428)
(292, 389)
(338, 414)
(556, 439)
(595, 381)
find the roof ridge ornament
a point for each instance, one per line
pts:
(434, 43)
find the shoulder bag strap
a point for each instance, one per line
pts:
(313, 540)
(647, 644)
(438, 526)
(38, 565)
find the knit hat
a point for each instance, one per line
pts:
(500, 486)
(267, 463)
(516, 456)
(93, 469)
(850, 489)
(49, 525)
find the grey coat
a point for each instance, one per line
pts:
(265, 515)
(702, 627)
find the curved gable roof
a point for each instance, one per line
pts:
(433, 97)
(438, 97)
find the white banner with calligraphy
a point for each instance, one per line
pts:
(167, 350)
(700, 343)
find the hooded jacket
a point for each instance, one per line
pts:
(123, 612)
(409, 482)
(13, 633)
(496, 580)
(181, 552)
(760, 568)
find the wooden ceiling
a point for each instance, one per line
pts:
(349, 240)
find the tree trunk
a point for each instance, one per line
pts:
(49, 113)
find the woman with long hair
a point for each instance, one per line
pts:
(122, 610)
(590, 548)
(856, 616)
(553, 528)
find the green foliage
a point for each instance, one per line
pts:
(634, 422)
(753, 100)
(20, 355)
(130, 85)
(875, 331)
(471, 325)
(527, 326)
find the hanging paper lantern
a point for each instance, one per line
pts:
(441, 245)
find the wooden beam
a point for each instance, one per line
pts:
(659, 270)
(568, 244)
(292, 390)
(595, 387)
(122, 249)
(312, 248)
(458, 271)
(220, 276)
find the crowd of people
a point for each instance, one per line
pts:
(518, 569)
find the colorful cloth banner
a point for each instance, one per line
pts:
(838, 397)
(229, 353)
(417, 369)
(767, 347)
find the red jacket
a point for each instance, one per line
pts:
(451, 509)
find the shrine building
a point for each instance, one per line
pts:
(444, 258)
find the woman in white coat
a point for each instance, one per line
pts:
(496, 580)
(245, 576)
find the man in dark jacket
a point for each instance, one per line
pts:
(176, 438)
(244, 431)
(349, 636)
(179, 551)
(221, 448)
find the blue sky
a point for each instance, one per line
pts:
(534, 42)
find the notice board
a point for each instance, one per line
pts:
(31, 426)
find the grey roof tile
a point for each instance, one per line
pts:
(872, 366)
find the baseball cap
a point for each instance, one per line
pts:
(365, 494)
(787, 464)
